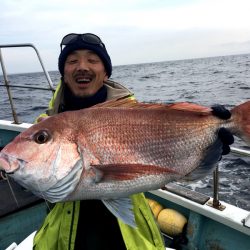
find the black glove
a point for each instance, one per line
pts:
(225, 135)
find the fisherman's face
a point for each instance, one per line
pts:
(84, 73)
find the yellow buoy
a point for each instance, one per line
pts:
(155, 206)
(171, 222)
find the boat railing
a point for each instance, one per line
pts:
(6, 81)
(238, 151)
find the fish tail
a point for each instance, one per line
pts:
(241, 121)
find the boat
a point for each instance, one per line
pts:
(210, 223)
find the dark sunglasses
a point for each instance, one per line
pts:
(87, 38)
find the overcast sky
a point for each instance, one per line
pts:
(134, 31)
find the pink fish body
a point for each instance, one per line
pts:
(118, 148)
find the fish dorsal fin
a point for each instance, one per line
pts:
(114, 103)
(186, 106)
(129, 102)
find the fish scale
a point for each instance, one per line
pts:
(151, 151)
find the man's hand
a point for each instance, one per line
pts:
(41, 118)
(225, 135)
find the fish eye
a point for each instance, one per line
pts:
(41, 137)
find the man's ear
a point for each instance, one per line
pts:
(63, 80)
(106, 77)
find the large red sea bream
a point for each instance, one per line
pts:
(118, 148)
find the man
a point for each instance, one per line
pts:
(85, 67)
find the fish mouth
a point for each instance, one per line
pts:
(10, 164)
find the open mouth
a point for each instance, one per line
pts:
(83, 79)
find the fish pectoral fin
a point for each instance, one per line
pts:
(122, 208)
(122, 172)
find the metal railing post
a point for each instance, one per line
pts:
(6, 82)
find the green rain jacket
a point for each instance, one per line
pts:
(58, 231)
